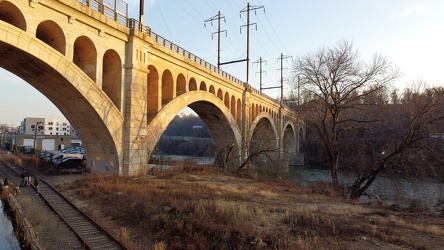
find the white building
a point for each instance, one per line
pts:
(45, 126)
(47, 133)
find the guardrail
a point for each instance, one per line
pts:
(136, 25)
(113, 9)
(117, 10)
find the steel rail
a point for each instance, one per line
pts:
(91, 234)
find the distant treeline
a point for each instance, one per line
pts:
(186, 135)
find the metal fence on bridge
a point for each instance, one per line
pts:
(113, 9)
(118, 11)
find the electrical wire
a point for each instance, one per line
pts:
(272, 27)
(163, 18)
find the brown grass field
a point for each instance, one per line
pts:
(204, 208)
(207, 209)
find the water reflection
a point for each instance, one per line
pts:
(391, 190)
(7, 236)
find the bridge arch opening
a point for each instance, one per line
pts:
(85, 56)
(233, 106)
(263, 145)
(220, 123)
(212, 90)
(167, 87)
(203, 86)
(72, 96)
(239, 112)
(289, 141)
(227, 100)
(152, 91)
(112, 77)
(193, 84)
(180, 85)
(51, 33)
(9, 13)
(220, 95)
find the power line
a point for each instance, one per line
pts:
(272, 28)
(168, 30)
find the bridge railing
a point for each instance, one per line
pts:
(136, 25)
(113, 9)
(117, 10)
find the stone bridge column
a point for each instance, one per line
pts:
(135, 111)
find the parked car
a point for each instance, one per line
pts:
(71, 162)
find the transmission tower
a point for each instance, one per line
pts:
(217, 17)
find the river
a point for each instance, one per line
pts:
(399, 191)
(391, 191)
(8, 239)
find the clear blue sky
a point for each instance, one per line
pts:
(411, 33)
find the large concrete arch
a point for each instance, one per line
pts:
(288, 138)
(264, 142)
(211, 110)
(94, 116)
(254, 124)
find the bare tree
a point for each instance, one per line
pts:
(337, 82)
(263, 154)
(408, 138)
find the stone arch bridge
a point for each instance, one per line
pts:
(119, 84)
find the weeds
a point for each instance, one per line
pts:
(177, 210)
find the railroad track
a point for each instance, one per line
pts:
(92, 235)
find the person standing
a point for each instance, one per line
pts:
(25, 178)
(36, 184)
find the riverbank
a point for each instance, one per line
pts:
(207, 209)
(203, 208)
(50, 229)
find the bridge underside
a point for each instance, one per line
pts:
(74, 104)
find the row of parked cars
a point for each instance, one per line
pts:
(71, 159)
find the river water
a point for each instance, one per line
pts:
(397, 191)
(8, 239)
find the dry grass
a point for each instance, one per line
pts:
(204, 209)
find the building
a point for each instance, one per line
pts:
(45, 134)
(43, 142)
(45, 126)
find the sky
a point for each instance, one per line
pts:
(408, 32)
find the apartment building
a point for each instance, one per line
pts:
(46, 134)
(45, 126)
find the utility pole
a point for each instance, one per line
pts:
(248, 9)
(211, 19)
(36, 128)
(282, 57)
(141, 13)
(260, 61)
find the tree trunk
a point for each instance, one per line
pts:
(334, 168)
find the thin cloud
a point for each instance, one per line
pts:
(408, 11)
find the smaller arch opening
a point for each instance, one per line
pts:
(9, 13)
(51, 33)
